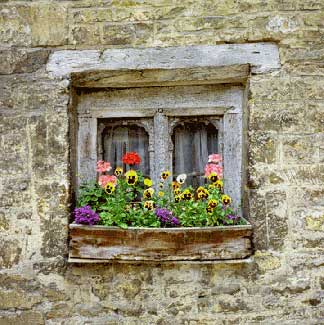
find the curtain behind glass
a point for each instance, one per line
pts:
(118, 140)
(193, 142)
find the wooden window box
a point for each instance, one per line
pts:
(106, 244)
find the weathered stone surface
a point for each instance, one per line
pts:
(283, 282)
(26, 317)
(22, 61)
(18, 299)
(10, 252)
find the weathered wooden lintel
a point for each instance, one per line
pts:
(125, 78)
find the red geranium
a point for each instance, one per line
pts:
(131, 158)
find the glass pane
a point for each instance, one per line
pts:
(193, 142)
(117, 140)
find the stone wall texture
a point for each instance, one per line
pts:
(283, 283)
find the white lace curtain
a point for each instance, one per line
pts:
(121, 139)
(193, 142)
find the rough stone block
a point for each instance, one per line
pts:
(300, 150)
(22, 61)
(10, 252)
(315, 224)
(25, 317)
(14, 27)
(263, 148)
(85, 34)
(18, 299)
(136, 33)
(48, 24)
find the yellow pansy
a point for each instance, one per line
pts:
(148, 193)
(202, 193)
(177, 191)
(149, 205)
(213, 177)
(226, 199)
(209, 210)
(177, 198)
(165, 174)
(219, 184)
(212, 203)
(148, 182)
(186, 195)
(131, 177)
(110, 188)
(118, 171)
(161, 194)
(175, 185)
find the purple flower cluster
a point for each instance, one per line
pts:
(86, 216)
(166, 217)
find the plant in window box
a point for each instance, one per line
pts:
(128, 199)
(193, 221)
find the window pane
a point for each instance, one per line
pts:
(193, 142)
(117, 140)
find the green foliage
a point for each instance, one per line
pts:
(126, 207)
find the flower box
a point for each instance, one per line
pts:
(104, 244)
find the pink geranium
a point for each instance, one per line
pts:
(103, 166)
(215, 158)
(214, 168)
(105, 179)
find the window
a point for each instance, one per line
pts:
(116, 137)
(193, 140)
(173, 128)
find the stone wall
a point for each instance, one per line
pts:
(282, 284)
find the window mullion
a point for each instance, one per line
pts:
(161, 144)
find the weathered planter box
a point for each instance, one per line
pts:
(101, 243)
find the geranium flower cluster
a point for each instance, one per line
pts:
(127, 198)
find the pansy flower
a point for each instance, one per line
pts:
(213, 177)
(175, 185)
(219, 184)
(177, 198)
(118, 171)
(209, 210)
(110, 188)
(131, 177)
(148, 182)
(148, 193)
(202, 193)
(165, 174)
(177, 191)
(149, 205)
(226, 199)
(186, 195)
(212, 203)
(181, 178)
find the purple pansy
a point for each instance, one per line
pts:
(86, 216)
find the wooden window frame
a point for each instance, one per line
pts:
(225, 112)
